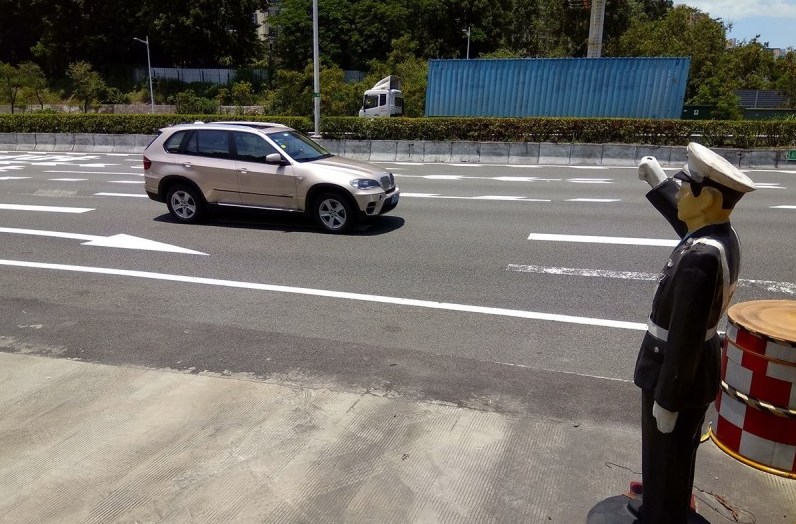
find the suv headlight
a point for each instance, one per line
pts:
(364, 183)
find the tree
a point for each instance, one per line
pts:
(10, 83)
(96, 31)
(34, 83)
(786, 76)
(203, 33)
(752, 64)
(683, 31)
(87, 84)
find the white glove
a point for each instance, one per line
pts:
(650, 171)
(664, 418)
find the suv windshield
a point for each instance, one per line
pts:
(299, 147)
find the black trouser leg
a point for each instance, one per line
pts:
(667, 464)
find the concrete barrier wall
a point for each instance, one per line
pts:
(509, 153)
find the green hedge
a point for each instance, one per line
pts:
(119, 124)
(746, 134)
(712, 133)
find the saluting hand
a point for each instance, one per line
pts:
(650, 171)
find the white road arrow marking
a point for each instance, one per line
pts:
(121, 241)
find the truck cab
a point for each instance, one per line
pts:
(383, 99)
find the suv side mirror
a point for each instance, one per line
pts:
(275, 158)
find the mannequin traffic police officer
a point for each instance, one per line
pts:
(678, 365)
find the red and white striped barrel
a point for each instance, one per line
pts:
(757, 401)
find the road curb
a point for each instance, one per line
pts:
(426, 151)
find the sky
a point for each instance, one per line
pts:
(773, 20)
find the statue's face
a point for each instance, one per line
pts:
(688, 206)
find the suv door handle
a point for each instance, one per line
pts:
(187, 164)
(243, 170)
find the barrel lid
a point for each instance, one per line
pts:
(774, 319)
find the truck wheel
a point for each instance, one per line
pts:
(333, 212)
(186, 204)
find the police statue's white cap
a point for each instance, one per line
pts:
(704, 163)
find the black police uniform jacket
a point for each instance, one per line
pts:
(683, 371)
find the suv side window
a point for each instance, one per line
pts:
(208, 142)
(172, 144)
(251, 148)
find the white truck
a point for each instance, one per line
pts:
(383, 99)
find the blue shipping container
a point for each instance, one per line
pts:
(558, 87)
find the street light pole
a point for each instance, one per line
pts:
(149, 70)
(316, 92)
(467, 32)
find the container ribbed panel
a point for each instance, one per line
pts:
(564, 87)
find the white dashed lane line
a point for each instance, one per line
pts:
(787, 288)
(49, 209)
(129, 195)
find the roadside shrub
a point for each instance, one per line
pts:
(188, 103)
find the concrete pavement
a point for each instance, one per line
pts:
(85, 442)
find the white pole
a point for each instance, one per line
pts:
(316, 95)
(596, 29)
(149, 71)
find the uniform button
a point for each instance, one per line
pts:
(656, 349)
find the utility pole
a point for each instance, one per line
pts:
(316, 92)
(467, 32)
(596, 29)
(149, 69)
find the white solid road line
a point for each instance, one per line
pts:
(50, 209)
(448, 306)
(604, 240)
(783, 207)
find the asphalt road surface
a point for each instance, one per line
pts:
(521, 290)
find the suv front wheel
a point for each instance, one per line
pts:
(186, 204)
(333, 212)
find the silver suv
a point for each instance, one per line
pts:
(263, 166)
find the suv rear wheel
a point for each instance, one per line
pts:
(333, 212)
(186, 204)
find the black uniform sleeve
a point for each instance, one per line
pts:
(662, 197)
(696, 285)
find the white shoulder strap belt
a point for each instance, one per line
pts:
(727, 292)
